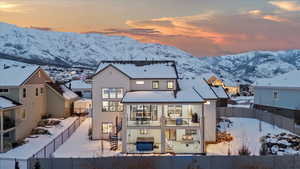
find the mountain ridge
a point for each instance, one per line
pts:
(87, 50)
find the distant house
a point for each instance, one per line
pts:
(81, 88)
(26, 95)
(231, 87)
(151, 109)
(280, 94)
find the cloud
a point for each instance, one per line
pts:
(270, 17)
(287, 5)
(11, 7)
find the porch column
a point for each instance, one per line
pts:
(163, 131)
(1, 132)
(203, 130)
(124, 129)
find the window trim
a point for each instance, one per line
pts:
(153, 82)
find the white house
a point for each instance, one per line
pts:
(280, 94)
(155, 111)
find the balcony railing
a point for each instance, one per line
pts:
(182, 122)
(143, 122)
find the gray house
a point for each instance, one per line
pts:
(280, 95)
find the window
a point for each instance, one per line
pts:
(171, 134)
(3, 90)
(155, 84)
(190, 132)
(23, 114)
(24, 92)
(112, 93)
(112, 106)
(143, 131)
(275, 95)
(139, 82)
(170, 84)
(36, 91)
(207, 102)
(42, 90)
(107, 128)
(144, 112)
(174, 111)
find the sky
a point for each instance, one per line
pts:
(200, 27)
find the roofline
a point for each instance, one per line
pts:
(37, 69)
(12, 107)
(111, 62)
(17, 104)
(278, 87)
(59, 93)
(215, 92)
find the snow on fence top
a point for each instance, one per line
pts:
(291, 79)
(15, 76)
(143, 69)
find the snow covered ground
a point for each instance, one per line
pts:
(34, 145)
(244, 131)
(79, 145)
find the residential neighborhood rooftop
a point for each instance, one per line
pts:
(143, 69)
(79, 84)
(15, 75)
(290, 79)
(7, 103)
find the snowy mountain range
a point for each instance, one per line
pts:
(73, 49)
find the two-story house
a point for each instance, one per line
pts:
(160, 113)
(26, 96)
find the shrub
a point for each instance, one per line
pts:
(244, 151)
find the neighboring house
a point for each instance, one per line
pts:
(230, 86)
(81, 88)
(25, 86)
(9, 109)
(60, 100)
(156, 111)
(280, 94)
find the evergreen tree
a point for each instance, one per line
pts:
(37, 165)
(17, 164)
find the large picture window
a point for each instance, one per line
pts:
(174, 111)
(112, 106)
(144, 112)
(112, 93)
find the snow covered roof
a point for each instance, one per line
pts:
(143, 69)
(204, 89)
(290, 79)
(186, 94)
(67, 93)
(79, 84)
(7, 103)
(15, 75)
(220, 92)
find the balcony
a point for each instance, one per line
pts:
(143, 121)
(179, 121)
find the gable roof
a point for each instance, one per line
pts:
(16, 76)
(143, 69)
(7, 103)
(79, 84)
(289, 80)
(63, 91)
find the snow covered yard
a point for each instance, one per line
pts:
(250, 132)
(35, 143)
(79, 145)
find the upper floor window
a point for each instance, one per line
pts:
(42, 90)
(112, 93)
(3, 90)
(155, 84)
(275, 95)
(139, 82)
(36, 91)
(107, 127)
(24, 92)
(170, 85)
(111, 106)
